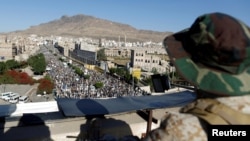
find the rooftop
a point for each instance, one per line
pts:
(50, 120)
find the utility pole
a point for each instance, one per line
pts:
(132, 79)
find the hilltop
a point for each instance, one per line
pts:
(89, 26)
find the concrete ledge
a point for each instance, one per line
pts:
(55, 126)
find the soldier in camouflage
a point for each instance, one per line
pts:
(213, 55)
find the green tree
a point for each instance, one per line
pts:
(7, 79)
(101, 54)
(112, 70)
(123, 73)
(127, 76)
(2, 67)
(86, 76)
(120, 71)
(12, 64)
(37, 63)
(98, 85)
(78, 71)
(136, 80)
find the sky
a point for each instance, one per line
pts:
(156, 15)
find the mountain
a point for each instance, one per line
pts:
(89, 26)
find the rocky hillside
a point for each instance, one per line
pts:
(88, 26)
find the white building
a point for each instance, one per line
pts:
(149, 59)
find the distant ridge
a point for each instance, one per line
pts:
(89, 26)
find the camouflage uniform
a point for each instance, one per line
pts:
(213, 55)
(176, 126)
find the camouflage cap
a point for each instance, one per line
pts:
(213, 54)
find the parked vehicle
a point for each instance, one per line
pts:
(11, 95)
(23, 99)
(5, 95)
(14, 99)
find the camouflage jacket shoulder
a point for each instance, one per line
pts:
(176, 126)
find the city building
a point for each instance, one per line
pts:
(18, 48)
(118, 52)
(150, 59)
(7, 52)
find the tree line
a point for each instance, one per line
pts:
(11, 73)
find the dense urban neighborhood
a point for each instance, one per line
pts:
(87, 63)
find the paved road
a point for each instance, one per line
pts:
(29, 90)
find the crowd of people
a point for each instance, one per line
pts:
(69, 84)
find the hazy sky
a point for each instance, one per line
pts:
(157, 15)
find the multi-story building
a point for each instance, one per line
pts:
(80, 51)
(7, 51)
(16, 47)
(150, 59)
(117, 52)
